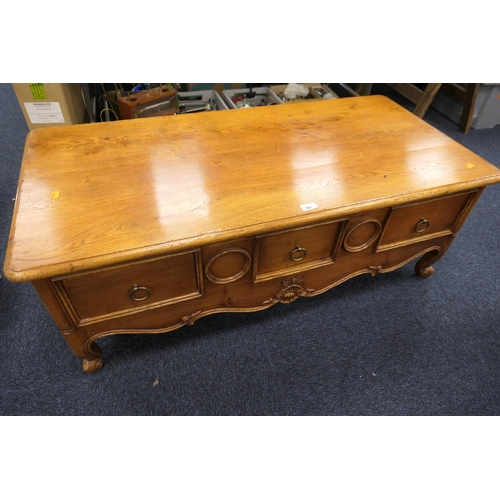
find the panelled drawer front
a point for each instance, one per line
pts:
(147, 284)
(423, 220)
(293, 250)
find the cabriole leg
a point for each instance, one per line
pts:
(89, 352)
(423, 267)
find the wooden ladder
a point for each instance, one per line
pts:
(421, 98)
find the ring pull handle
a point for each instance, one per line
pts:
(139, 293)
(298, 250)
(421, 225)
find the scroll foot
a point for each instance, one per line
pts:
(423, 267)
(94, 361)
(424, 271)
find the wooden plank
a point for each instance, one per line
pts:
(469, 104)
(408, 90)
(426, 99)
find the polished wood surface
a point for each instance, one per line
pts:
(148, 225)
(105, 193)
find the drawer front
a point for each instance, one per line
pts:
(294, 250)
(227, 263)
(138, 286)
(408, 224)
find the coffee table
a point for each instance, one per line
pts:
(144, 226)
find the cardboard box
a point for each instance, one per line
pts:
(50, 104)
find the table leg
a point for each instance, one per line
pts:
(89, 352)
(423, 267)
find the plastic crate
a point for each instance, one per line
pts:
(264, 97)
(279, 90)
(195, 100)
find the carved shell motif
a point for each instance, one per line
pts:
(291, 291)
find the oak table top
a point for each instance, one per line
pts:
(104, 193)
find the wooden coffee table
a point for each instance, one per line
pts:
(147, 225)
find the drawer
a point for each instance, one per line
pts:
(286, 252)
(124, 289)
(424, 220)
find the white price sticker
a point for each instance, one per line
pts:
(44, 112)
(308, 206)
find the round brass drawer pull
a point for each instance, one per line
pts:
(136, 288)
(298, 249)
(421, 225)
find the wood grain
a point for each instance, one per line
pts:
(139, 188)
